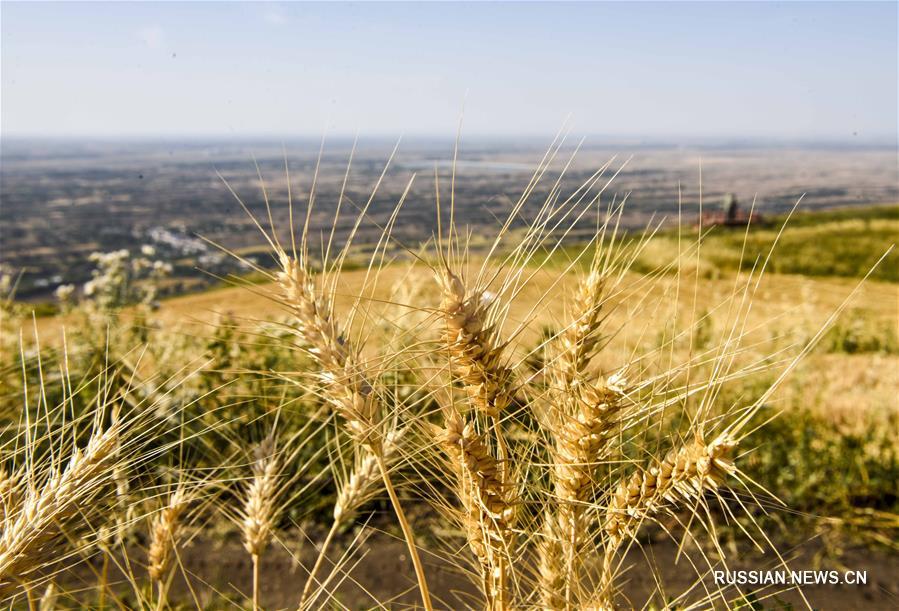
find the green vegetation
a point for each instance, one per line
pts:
(846, 243)
(839, 243)
(857, 332)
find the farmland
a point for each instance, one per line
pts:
(62, 201)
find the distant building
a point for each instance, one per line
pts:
(730, 214)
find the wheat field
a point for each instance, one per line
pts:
(524, 416)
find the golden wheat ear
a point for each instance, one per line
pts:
(361, 484)
(581, 417)
(35, 526)
(165, 533)
(275, 473)
(488, 506)
(350, 386)
(52, 509)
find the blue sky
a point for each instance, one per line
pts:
(790, 71)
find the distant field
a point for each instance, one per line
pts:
(62, 202)
(843, 243)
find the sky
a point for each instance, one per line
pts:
(670, 70)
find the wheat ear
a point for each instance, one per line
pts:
(488, 506)
(355, 491)
(165, 531)
(49, 598)
(476, 359)
(682, 476)
(349, 390)
(360, 486)
(259, 507)
(580, 339)
(582, 422)
(29, 532)
(473, 345)
(582, 440)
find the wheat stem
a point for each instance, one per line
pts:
(255, 582)
(350, 391)
(161, 595)
(104, 576)
(307, 588)
(407, 533)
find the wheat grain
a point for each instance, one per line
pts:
(259, 500)
(165, 531)
(9, 493)
(488, 506)
(473, 344)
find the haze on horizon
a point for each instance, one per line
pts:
(784, 71)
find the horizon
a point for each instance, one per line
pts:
(586, 141)
(672, 73)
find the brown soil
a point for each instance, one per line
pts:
(381, 571)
